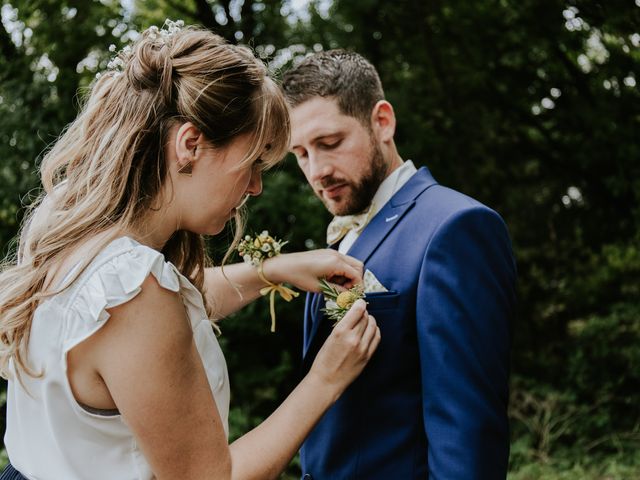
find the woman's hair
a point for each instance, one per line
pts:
(111, 159)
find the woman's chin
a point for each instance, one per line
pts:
(216, 226)
(216, 229)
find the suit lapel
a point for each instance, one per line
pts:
(391, 214)
(367, 243)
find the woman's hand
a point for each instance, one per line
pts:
(305, 269)
(338, 363)
(348, 348)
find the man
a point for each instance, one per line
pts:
(432, 403)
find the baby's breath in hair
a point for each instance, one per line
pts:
(118, 63)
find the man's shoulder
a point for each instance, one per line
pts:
(435, 205)
(443, 201)
(427, 192)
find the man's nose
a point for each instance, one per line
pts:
(319, 167)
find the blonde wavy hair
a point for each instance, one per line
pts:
(111, 159)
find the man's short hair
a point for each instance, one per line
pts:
(343, 75)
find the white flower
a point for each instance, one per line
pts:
(153, 32)
(118, 62)
(266, 247)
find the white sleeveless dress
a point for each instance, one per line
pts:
(49, 435)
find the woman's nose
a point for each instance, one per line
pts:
(255, 184)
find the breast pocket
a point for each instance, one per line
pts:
(381, 301)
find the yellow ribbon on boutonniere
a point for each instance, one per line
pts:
(271, 289)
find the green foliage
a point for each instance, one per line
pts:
(613, 468)
(41, 71)
(529, 106)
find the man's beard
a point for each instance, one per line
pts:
(363, 192)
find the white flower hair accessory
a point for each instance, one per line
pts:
(118, 63)
(168, 28)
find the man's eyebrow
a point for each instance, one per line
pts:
(321, 137)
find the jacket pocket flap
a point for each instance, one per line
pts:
(382, 300)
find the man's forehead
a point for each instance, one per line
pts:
(316, 118)
(316, 106)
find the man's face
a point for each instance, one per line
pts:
(340, 158)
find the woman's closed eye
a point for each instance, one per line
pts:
(259, 164)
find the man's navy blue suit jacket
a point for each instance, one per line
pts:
(432, 402)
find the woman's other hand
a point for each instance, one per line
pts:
(348, 349)
(305, 269)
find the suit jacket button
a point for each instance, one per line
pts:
(307, 476)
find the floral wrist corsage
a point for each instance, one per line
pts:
(339, 303)
(255, 250)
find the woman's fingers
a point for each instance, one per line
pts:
(353, 317)
(375, 339)
(348, 348)
(356, 264)
(368, 342)
(345, 270)
(369, 331)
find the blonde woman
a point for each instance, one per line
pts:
(114, 371)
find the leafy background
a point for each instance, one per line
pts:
(531, 106)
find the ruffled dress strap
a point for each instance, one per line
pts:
(114, 277)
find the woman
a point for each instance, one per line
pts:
(114, 371)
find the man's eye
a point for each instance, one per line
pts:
(330, 145)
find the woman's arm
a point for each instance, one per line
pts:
(301, 269)
(265, 451)
(146, 357)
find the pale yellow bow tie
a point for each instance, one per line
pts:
(339, 226)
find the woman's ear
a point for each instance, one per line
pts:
(187, 141)
(383, 121)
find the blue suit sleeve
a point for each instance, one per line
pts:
(465, 309)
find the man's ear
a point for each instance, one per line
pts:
(187, 141)
(383, 121)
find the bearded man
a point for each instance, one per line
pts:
(440, 280)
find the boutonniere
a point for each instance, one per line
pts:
(339, 303)
(255, 250)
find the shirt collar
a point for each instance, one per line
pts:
(390, 185)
